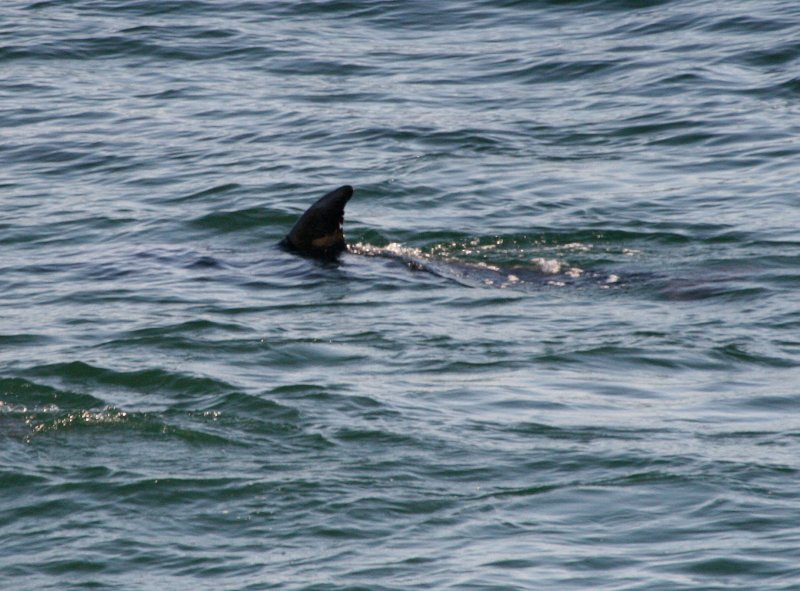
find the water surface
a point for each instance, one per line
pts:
(184, 405)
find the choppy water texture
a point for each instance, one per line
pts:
(579, 371)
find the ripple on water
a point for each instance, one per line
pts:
(183, 404)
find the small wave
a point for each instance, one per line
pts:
(80, 373)
(243, 219)
(230, 419)
(22, 340)
(199, 196)
(53, 420)
(747, 24)
(20, 394)
(241, 404)
(548, 71)
(741, 354)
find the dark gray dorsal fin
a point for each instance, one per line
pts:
(318, 232)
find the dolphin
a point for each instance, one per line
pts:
(318, 232)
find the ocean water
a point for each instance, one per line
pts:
(578, 367)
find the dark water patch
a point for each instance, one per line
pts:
(717, 290)
(334, 8)
(789, 88)
(81, 158)
(36, 509)
(15, 480)
(200, 196)
(181, 44)
(315, 354)
(188, 32)
(205, 262)
(373, 437)
(80, 374)
(302, 390)
(109, 419)
(24, 340)
(187, 92)
(747, 24)
(583, 434)
(740, 355)
(201, 430)
(763, 437)
(550, 71)
(641, 478)
(339, 397)
(621, 357)
(107, 272)
(57, 233)
(163, 258)
(684, 139)
(487, 366)
(132, 490)
(213, 432)
(723, 515)
(245, 405)
(16, 89)
(82, 49)
(142, 295)
(772, 403)
(773, 57)
(732, 567)
(20, 394)
(150, 8)
(614, 5)
(49, 154)
(639, 29)
(320, 67)
(655, 128)
(235, 221)
(469, 140)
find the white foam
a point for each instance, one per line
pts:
(549, 266)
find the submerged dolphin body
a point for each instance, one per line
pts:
(318, 233)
